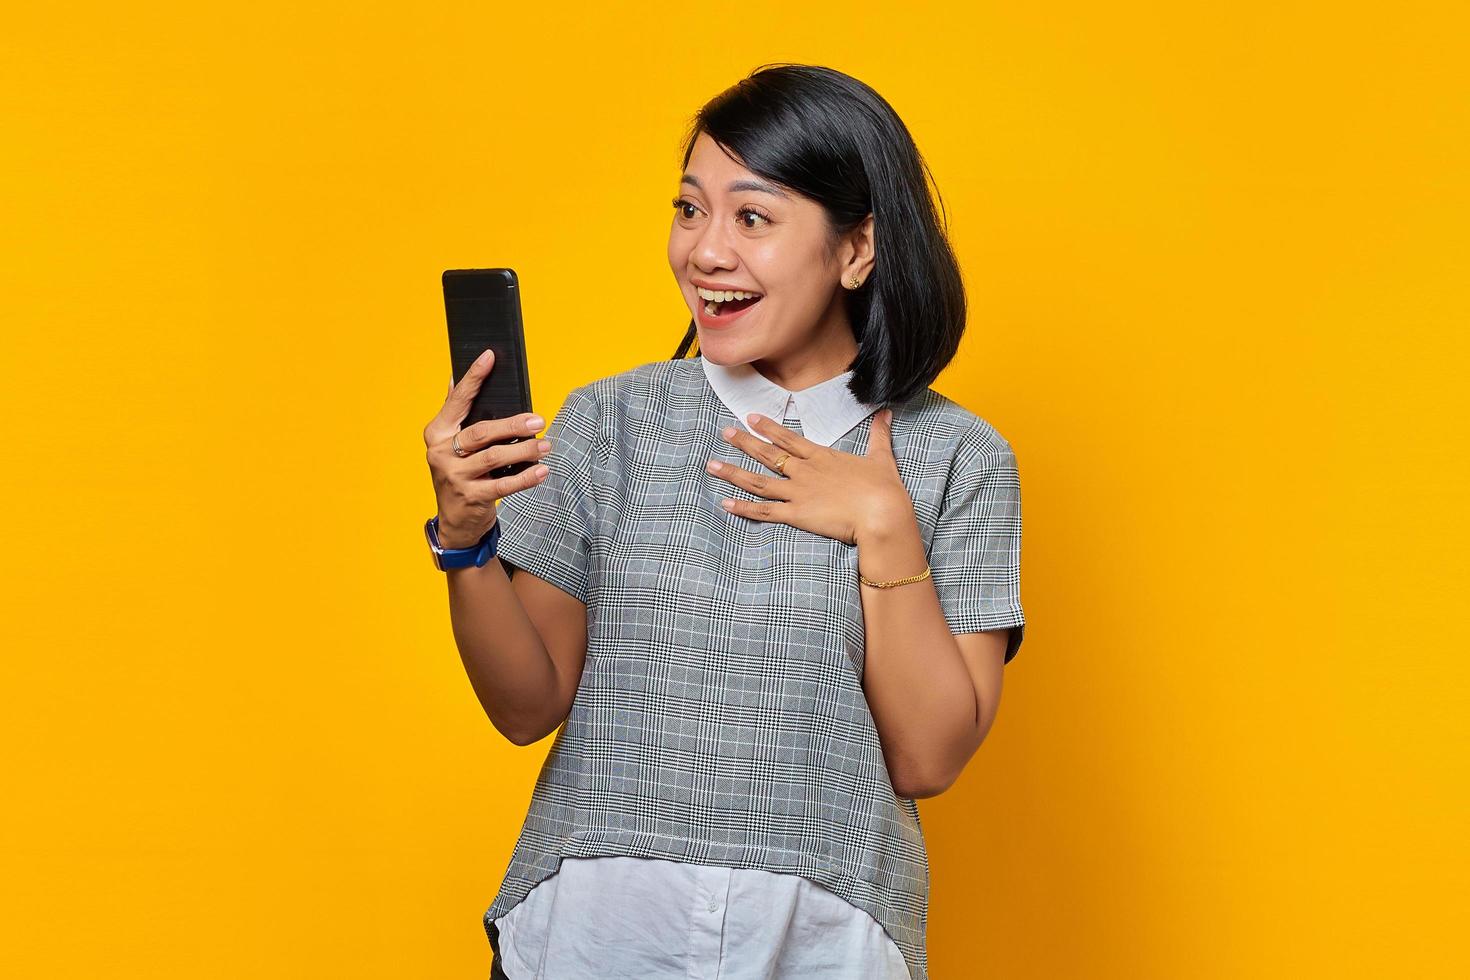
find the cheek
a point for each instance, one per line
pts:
(679, 266)
(797, 293)
(788, 269)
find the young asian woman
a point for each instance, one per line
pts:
(784, 574)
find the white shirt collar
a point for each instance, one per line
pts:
(827, 411)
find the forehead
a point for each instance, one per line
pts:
(714, 171)
(709, 158)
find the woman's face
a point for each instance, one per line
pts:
(735, 230)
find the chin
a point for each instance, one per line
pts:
(718, 352)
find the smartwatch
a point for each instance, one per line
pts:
(476, 554)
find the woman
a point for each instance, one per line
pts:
(769, 590)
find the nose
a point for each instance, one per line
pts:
(713, 249)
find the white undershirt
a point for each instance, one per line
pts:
(650, 919)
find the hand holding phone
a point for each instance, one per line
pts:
(465, 485)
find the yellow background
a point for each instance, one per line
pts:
(1216, 256)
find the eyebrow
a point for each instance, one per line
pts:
(740, 185)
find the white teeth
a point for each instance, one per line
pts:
(723, 295)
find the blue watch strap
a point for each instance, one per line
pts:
(477, 554)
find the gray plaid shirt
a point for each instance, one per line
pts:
(720, 717)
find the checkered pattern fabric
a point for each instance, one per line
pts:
(720, 718)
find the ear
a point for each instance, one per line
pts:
(860, 243)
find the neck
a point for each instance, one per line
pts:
(826, 353)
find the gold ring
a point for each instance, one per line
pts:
(458, 451)
(780, 462)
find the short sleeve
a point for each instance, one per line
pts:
(975, 554)
(546, 528)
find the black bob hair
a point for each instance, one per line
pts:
(831, 138)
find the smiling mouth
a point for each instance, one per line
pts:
(716, 307)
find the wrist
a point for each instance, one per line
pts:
(454, 539)
(887, 523)
(891, 551)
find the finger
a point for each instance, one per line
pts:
(760, 484)
(457, 402)
(489, 432)
(506, 485)
(462, 395)
(788, 440)
(758, 510)
(757, 449)
(503, 454)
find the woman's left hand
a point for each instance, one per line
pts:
(819, 489)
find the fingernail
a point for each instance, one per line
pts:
(484, 356)
(728, 431)
(543, 444)
(535, 422)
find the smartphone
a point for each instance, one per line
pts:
(483, 307)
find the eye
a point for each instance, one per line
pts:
(748, 210)
(680, 204)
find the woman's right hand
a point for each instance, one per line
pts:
(466, 496)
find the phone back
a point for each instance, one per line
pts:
(483, 309)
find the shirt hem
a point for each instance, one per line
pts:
(821, 870)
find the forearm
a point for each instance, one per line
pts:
(919, 691)
(509, 667)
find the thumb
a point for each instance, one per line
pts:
(880, 435)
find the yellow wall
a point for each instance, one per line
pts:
(1217, 259)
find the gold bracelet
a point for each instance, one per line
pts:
(898, 581)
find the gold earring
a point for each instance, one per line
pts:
(854, 282)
